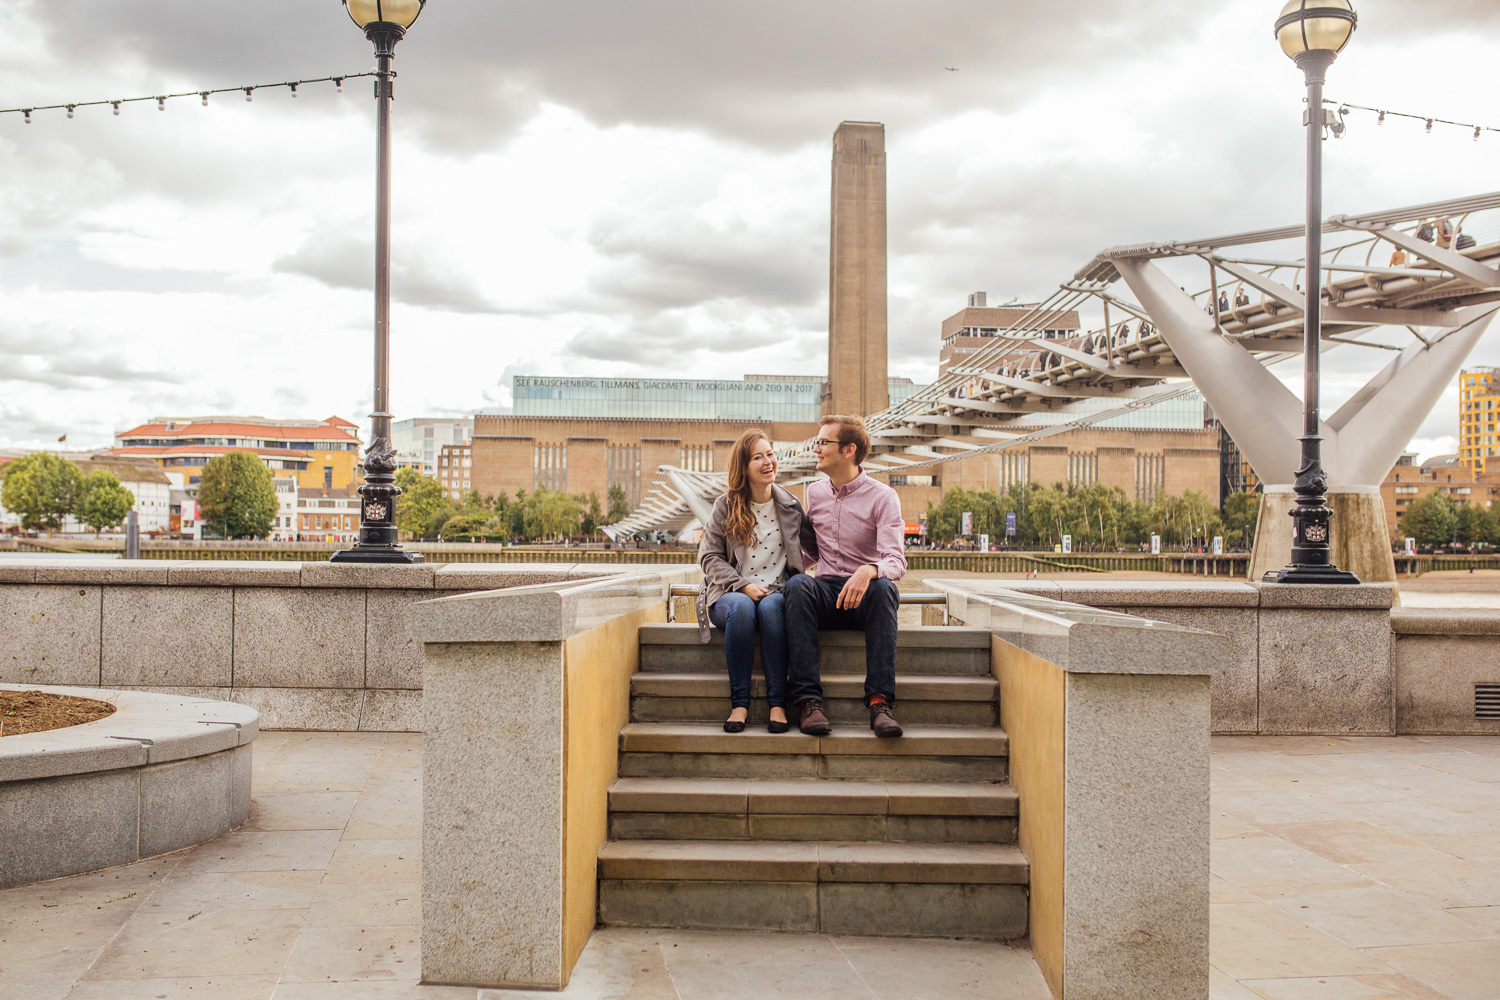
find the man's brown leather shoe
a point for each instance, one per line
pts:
(882, 721)
(814, 719)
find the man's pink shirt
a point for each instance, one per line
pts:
(858, 525)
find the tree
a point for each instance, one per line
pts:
(619, 506)
(1241, 513)
(102, 501)
(237, 496)
(1476, 525)
(550, 513)
(1430, 519)
(467, 524)
(42, 488)
(422, 499)
(516, 515)
(593, 516)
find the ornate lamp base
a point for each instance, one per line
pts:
(377, 526)
(1312, 561)
(1311, 574)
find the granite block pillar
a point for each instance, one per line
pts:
(1325, 659)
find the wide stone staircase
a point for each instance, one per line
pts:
(844, 834)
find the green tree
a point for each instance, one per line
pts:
(619, 506)
(102, 501)
(237, 496)
(1241, 514)
(42, 488)
(1430, 519)
(467, 524)
(593, 514)
(1476, 525)
(516, 515)
(551, 513)
(423, 498)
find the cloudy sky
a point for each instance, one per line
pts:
(597, 187)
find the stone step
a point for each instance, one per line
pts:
(915, 890)
(811, 809)
(921, 700)
(920, 649)
(704, 750)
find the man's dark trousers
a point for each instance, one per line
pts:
(812, 604)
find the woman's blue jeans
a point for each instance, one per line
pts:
(739, 616)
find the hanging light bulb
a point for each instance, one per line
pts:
(1429, 125)
(116, 105)
(294, 90)
(338, 84)
(70, 110)
(1381, 119)
(204, 95)
(249, 94)
(1476, 133)
(27, 113)
(161, 104)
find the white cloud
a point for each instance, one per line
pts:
(587, 187)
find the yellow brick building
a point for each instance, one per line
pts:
(319, 454)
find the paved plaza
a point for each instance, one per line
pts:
(1343, 869)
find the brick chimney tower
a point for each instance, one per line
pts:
(856, 273)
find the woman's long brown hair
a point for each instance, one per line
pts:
(740, 524)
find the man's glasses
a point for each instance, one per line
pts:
(824, 443)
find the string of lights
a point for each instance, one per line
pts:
(162, 99)
(1344, 107)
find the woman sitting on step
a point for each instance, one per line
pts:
(752, 544)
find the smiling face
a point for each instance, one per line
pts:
(831, 456)
(761, 468)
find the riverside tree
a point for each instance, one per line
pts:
(619, 506)
(102, 501)
(237, 496)
(420, 503)
(1431, 520)
(41, 488)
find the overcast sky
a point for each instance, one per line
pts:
(591, 187)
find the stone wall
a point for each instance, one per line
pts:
(1299, 659)
(1442, 658)
(308, 645)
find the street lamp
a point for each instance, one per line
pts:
(384, 23)
(1313, 33)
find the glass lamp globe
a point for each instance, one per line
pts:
(398, 12)
(1315, 26)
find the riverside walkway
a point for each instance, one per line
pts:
(1342, 869)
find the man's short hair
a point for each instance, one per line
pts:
(851, 431)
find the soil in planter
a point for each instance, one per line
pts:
(37, 711)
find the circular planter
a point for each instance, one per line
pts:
(162, 773)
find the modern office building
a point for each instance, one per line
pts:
(793, 399)
(317, 453)
(419, 440)
(1478, 415)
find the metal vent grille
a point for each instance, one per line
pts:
(1487, 701)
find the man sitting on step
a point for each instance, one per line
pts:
(860, 533)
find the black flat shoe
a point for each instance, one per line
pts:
(772, 726)
(730, 726)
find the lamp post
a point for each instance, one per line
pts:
(384, 23)
(1313, 33)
